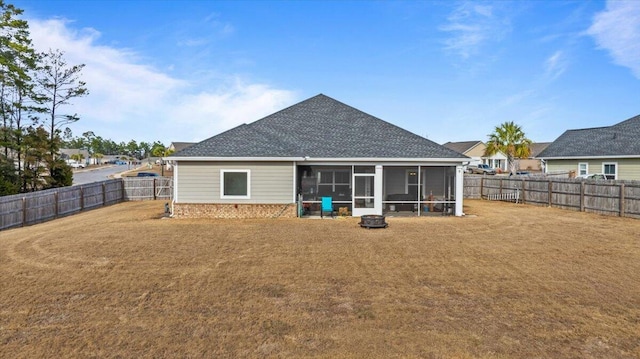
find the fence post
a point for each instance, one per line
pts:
(550, 192)
(622, 204)
(154, 189)
(124, 194)
(582, 185)
(481, 187)
(24, 211)
(81, 198)
(524, 195)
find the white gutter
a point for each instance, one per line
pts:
(586, 157)
(302, 160)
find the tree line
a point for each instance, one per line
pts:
(36, 90)
(98, 147)
(35, 87)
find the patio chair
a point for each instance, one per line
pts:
(327, 206)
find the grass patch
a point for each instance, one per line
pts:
(509, 281)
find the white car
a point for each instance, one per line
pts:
(77, 165)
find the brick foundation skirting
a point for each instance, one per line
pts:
(245, 211)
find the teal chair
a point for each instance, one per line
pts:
(327, 206)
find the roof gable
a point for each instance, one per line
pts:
(462, 147)
(319, 127)
(537, 147)
(179, 146)
(618, 140)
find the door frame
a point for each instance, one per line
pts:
(377, 193)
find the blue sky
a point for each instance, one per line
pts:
(449, 71)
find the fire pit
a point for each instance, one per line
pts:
(372, 221)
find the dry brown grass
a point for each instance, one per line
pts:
(507, 281)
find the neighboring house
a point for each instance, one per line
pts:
(179, 146)
(475, 150)
(176, 147)
(66, 153)
(612, 150)
(532, 163)
(283, 164)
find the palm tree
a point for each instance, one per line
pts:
(162, 152)
(509, 139)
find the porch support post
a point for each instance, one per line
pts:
(459, 190)
(295, 182)
(377, 189)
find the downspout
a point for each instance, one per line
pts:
(175, 188)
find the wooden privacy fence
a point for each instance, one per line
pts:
(617, 198)
(35, 207)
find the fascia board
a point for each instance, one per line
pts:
(586, 157)
(314, 159)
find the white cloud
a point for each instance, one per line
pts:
(472, 25)
(555, 65)
(131, 100)
(209, 113)
(617, 30)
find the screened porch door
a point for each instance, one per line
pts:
(367, 190)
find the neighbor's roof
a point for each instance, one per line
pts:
(619, 140)
(179, 146)
(462, 147)
(538, 147)
(73, 151)
(319, 127)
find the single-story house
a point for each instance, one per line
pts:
(176, 147)
(613, 151)
(284, 164)
(179, 146)
(475, 150)
(67, 153)
(533, 163)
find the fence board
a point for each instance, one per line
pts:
(632, 200)
(40, 208)
(92, 195)
(11, 210)
(113, 192)
(69, 201)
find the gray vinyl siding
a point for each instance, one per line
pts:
(271, 182)
(628, 168)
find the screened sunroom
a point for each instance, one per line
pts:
(400, 190)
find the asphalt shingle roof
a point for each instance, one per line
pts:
(622, 139)
(179, 146)
(461, 147)
(319, 127)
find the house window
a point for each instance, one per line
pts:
(334, 183)
(610, 170)
(235, 184)
(583, 168)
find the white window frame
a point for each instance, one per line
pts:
(333, 182)
(615, 164)
(406, 179)
(586, 168)
(222, 173)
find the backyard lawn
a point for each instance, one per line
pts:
(506, 281)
